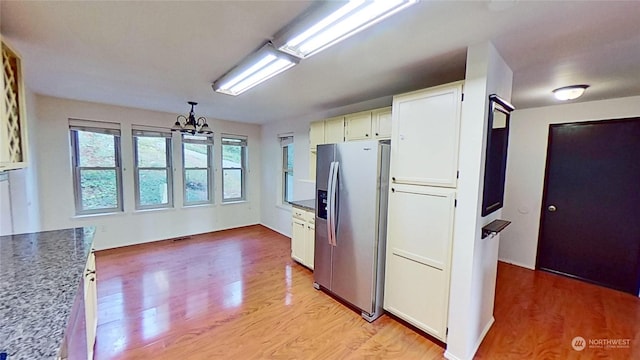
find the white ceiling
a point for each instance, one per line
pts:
(159, 55)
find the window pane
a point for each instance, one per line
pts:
(96, 150)
(288, 187)
(152, 151)
(290, 157)
(196, 185)
(195, 155)
(232, 179)
(153, 187)
(231, 156)
(99, 189)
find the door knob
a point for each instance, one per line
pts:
(552, 208)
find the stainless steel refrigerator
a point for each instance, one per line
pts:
(352, 184)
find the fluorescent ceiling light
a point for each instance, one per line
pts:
(263, 64)
(569, 92)
(331, 22)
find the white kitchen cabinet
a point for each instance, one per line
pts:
(381, 123)
(303, 237)
(425, 136)
(13, 126)
(418, 262)
(91, 302)
(316, 134)
(358, 126)
(334, 130)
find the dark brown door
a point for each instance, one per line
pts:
(590, 223)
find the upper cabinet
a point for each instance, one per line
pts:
(316, 134)
(367, 125)
(334, 130)
(13, 146)
(358, 126)
(426, 127)
(381, 123)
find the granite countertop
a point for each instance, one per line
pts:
(309, 204)
(40, 275)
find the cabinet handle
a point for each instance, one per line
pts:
(377, 134)
(366, 135)
(393, 178)
(89, 272)
(393, 190)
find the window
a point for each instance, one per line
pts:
(97, 174)
(234, 160)
(286, 142)
(153, 170)
(197, 152)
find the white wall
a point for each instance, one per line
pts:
(528, 135)
(274, 214)
(474, 260)
(55, 184)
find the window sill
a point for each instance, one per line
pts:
(90, 216)
(145, 211)
(235, 202)
(198, 206)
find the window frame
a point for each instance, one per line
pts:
(157, 133)
(285, 142)
(208, 141)
(235, 140)
(77, 169)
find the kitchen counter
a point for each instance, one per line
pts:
(309, 205)
(40, 274)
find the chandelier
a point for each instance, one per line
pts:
(190, 124)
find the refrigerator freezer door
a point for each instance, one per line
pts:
(322, 256)
(354, 253)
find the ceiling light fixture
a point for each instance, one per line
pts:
(330, 22)
(569, 92)
(261, 65)
(190, 125)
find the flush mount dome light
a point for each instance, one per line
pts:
(569, 92)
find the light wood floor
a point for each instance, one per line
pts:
(237, 294)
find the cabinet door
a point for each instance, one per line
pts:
(381, 120)
(419, 240)
(316, 134)
(358, 126)
(310, 244)
(334, 130)
(298, 234)
(91, 302)
(425, 133)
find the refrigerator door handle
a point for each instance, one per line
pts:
(334, 181)
(329, 202)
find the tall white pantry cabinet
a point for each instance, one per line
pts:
(424, 169)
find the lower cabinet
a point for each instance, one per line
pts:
(303, 237)
(91, 302)
(418, 263)
(80, 336)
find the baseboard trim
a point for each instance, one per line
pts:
(516, 263)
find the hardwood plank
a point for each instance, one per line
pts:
(236, 294)
(232, 294)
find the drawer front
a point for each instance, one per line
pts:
(299, 213)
